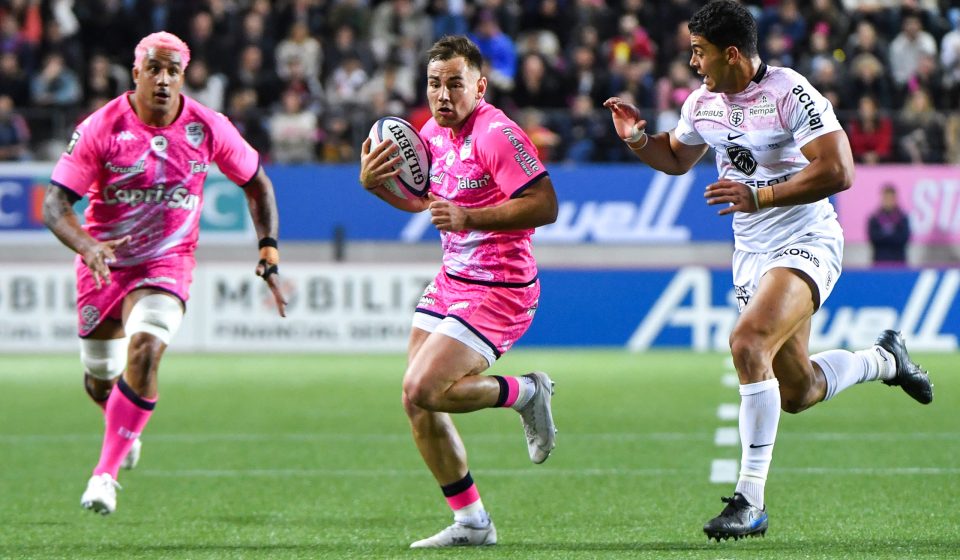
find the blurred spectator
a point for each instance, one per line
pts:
(907, 48)
(672, 90)
(928, 77)
(250, 73)
(889, 229)
(308, 12)
(825, 14)
(868, 77)
(537, 85)
(817, 53)
(950, 59)
(391, 91)
(13, 80)
(201, 85)
(244, 115)
(786, 18)
(343, 86)
(14, 132)
(310, 90)
(545, 140)
(354, 14)
(103, 79)
(338, 142)
(552, 16)
(585, 132)
(633, 43)
(345, 43)
(398, 28)
(293, 131)
(68, 47)
(449, 17)
(498, 48)
(253, 31)
(206, 44)
(920, 131)
(866, 40)
(301, 46)
(635, 80)
(544, 43)
(55, 85)
(871, 133)
(587, 77)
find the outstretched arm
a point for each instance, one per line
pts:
(59, 217)
(534, 207)
(266, 221)
(662, 151)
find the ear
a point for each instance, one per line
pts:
(135, 72)
(733, 55)
(481, 87)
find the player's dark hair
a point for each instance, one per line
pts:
(726, 23)
(452, 46)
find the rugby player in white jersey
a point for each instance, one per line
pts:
(780, 153)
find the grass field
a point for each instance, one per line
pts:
(310, 457)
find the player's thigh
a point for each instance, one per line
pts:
(441, 361)
(108, 329)
(781, 304)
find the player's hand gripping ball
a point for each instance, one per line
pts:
(414, 178)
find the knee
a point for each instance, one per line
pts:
(145, 351)
(418, 395)
(104, 359)
(747, 349)
(794, 400)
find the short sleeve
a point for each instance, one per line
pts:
(233, 155)
(78, 167)
(511, 158)
(807, 113)
(685, 132)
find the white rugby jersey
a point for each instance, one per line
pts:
(757, 135)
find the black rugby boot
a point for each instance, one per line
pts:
(738, 519)
(910, 376)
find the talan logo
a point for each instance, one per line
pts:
(736, 115)
(742, 159)
(195, 134)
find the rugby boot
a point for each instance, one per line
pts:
(910, 376)
(738, 519)
(460, 534)
(537, 418)
(133, 456)
(101, 494)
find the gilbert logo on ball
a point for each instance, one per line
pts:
(413, 180)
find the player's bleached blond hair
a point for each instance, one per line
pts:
(161, 40)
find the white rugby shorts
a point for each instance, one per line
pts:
(816, 256)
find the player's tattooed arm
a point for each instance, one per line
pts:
(266, 221)
(59, 217)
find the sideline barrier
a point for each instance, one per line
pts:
(356, 308)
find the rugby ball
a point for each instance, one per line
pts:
(414, 178)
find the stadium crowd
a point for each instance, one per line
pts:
(304, 79)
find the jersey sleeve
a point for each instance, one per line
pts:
(807, 113)
(232, 154)
(511, 158)
(685, 132)
(78, 166)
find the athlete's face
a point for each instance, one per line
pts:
(158, 81)
(712, 63)
(453, 91)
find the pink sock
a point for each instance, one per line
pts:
(126, 414)
(509, 390)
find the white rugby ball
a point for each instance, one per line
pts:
(414, 178)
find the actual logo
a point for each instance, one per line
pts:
(742, 159)
(736, 115)
(195, 134)
(158, 144)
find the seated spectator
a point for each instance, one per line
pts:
(545, 140)
(14, 133)
(537, 85)
(102, 79)
(399, 28)
(301, 46)
(869, 77)
(866, 40)
(671, 91)
(920, 131)
(871, 133)
(585, 132)
(498, 48)
(293, 131)
(337, 142)
(209, 89)
(244, 115)
(587, 77)
(907, 48)
(391, 91)
(251, 73)
(55, 85)
(343, 86)
(13, 80)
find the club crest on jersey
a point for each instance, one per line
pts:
(736, 115)
(194, 133)
(742, 159)
(158, 144)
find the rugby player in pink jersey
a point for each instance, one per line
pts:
(141, 160)
(489, 190)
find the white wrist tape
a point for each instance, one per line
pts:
(636, 135)
(756, 199)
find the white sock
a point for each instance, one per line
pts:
(528, 388)
(472, 515)
(843, 369)
(759, 417)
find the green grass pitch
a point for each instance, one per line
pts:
(303, 456)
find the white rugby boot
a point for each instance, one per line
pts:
(460, 534)
(133, 456)
(537, 419)
(101, 494)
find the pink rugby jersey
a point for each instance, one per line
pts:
(487, 163)
(147, 182)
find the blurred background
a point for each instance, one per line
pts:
(635, 252)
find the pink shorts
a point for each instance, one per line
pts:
(172, 274)
(496, 315)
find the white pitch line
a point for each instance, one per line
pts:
(726, 437)
(723, 471)
(730, 380)
(728, 411)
